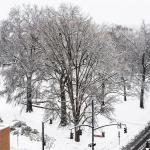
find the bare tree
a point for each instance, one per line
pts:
(20, 48)
(69, 36)
(124, 43)
(143, 47)
(73, 41)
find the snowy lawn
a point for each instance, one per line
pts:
(126, 112)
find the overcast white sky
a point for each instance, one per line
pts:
(124, 12)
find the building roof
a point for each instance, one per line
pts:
(3, 126)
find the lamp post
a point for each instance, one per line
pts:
(92, 125)
(43, 139)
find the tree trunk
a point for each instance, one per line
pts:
(29, 94)
(124, 89)
(103, 93)
(143, 81)
(63, 121)
(77, 135)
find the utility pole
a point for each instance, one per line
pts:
(43, 140)
(119, 139)
(93, 125)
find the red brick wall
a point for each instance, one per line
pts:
(5, 139)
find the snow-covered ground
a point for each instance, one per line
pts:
(126, 112)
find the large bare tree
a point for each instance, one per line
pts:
(73, 47)
(20, 48)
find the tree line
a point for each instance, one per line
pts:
(61, 60)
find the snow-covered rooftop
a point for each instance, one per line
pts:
(3, 126)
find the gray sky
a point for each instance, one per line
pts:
(124, 12)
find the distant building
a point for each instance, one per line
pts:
(4, 137)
